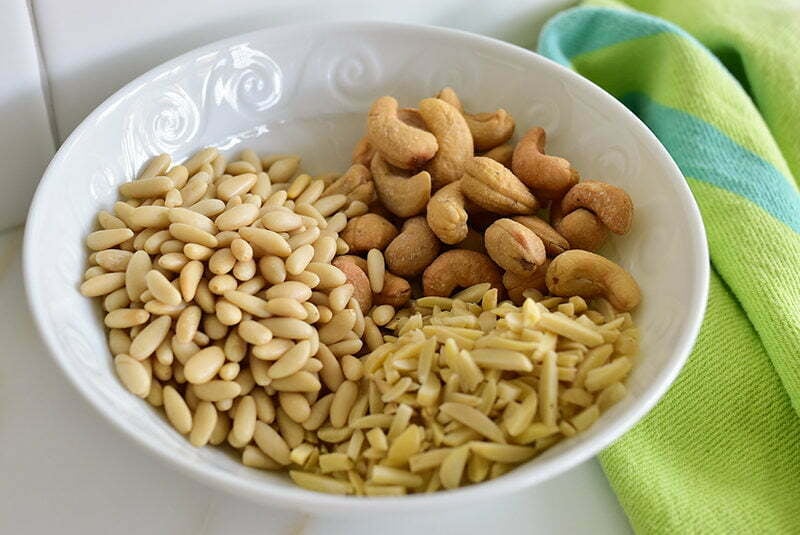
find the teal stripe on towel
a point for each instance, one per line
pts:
(706, 153)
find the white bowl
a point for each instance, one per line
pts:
(306, 89)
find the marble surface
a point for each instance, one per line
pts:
(66, 470)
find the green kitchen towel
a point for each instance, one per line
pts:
(718, 81)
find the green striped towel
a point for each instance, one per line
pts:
(721, 452)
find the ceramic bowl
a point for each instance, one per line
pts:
(306, 89)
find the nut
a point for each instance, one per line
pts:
(493, 187)
(513, 246)
(358, 278)
(403, 195)
(356, 183)
(446, 215)
(449, 95)
(459, 268)
(517, 283)
(588, 274)
(502, 154)
(554, 243)
(401, 144)
(452, 135)
(583, 230)
(548, 176)
(413, 249)
(396, 291)
(612, 205)
(369, 231)
(488, 129)
(363, 152)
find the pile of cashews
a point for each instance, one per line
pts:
(453, 201)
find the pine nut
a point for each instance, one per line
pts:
(146, 188)
(133, 375)
(177, 410)
(103, 284)
(267, 241)
(106, 239)
(124, 318)
(203, 423)
(217, 390)
(376, 269)
(146, 342)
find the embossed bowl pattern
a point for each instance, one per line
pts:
(305, 89)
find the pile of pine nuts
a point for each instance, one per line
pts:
(221, 301)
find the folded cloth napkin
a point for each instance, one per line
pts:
(719, 84)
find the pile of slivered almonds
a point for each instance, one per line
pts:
(411, 325)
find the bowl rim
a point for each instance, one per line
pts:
(296, 497)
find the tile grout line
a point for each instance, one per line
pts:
(44, 78)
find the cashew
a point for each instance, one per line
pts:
(369, 231)
(453, 137)
(587, 274)
(363, 152)
(493, 187)
(402, 144)
(554, 243)
(459, 268)
(413, 249)
(358, 278)
(403, 195)
(449, 95)
(612, 205)
(513, 246)
(488, 129)
(502, 154)
(548, 176)
(396, 290)
(583, 230)
(516, 283)
(356, 183)
(446, 215)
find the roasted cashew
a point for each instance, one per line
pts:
(554, 243)
(502, 154)
(612, 205)
(396, 290)
(587, 274)
(446, 215)
(358, 278)
(369, 231)
(363, 152)
(493, 187)
(583, 230)
(488, 129)
(549, 177)
(403, 195)
(517, 283)
(401, 144)
(413, 249)
(459, 268)
(513, 246)
(356, 183)
(453, 137)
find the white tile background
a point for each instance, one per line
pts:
(63, 468)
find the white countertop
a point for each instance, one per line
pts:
(66, 470)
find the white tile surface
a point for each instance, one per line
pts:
(26, 143)
(65, 470)
(93, 47)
